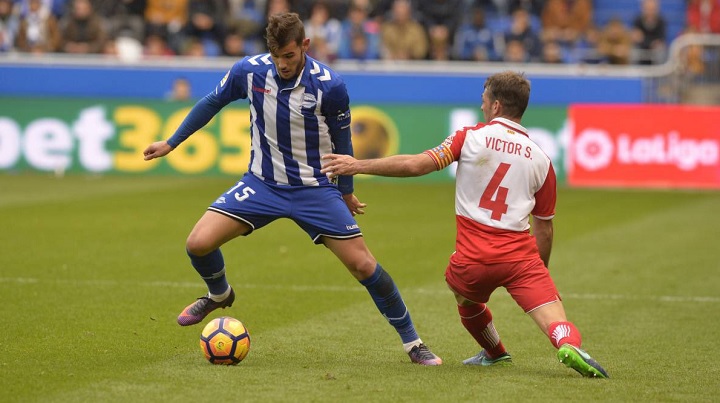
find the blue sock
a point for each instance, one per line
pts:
(212, 269)
(387, 298)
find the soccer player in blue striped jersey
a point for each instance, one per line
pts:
(300, 110)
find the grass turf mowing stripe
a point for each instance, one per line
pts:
(340, 289)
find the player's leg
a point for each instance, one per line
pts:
(472, 286)
(535, 292)
(356, 257)
(478, 321)
(246, 206)
(567, 339)
(323, 214)
(203, 248)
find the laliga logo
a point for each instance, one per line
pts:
(593, 149)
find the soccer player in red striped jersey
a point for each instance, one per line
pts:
(503, 178)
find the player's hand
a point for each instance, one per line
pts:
(156, 150)
(353, 204)
(338, 164)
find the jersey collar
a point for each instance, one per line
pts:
(511, 125)
(303, 78)
(305, 73)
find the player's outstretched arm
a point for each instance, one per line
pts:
(156, 150)
(396, 165)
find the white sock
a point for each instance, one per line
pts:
(221, 297)
(409, 346)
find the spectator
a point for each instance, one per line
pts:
(649, 33)
(565, 21)
(337, 9)
(515, 52)
(491, 8)
(82, 29)
(245, 18)
(38, 31)
(403, 38)
(474, 40)
(273, 7)
(703, 16)
(440, 19)
(552, 53)
(236, 45)
(156, 46)
(9, 26)
(58, 8)
(532, 7)
(360, 48)
(360, 35)
(124, 18)
(380, 10)
(166, 18)
(615, 43)
(181, 90)
(522, 31)
(324, 32)
(193, 47)
(205, 23)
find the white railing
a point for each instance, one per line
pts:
(674, 81)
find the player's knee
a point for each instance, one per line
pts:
(198, 246)
(362, 268)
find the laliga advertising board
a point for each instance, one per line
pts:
(651, 146)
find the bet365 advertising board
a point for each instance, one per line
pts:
(109, 136)
(591, 145)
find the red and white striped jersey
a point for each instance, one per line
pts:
(502, 178)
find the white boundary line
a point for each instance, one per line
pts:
(307, 288)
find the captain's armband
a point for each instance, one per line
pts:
(441, 155)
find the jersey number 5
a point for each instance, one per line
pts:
(497, 206)
(246, 191)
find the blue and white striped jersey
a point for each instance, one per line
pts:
(292, 123)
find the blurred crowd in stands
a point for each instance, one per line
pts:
(544, 31)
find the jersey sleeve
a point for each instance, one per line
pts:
(336, 109)
(546, 197)
(233, 85)
(449, 150)
(230, 88)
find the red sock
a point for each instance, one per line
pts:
(477, 319)
(564, 333)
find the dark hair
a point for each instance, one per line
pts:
(283, 29)
(512, 90)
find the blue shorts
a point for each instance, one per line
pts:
(318, 210)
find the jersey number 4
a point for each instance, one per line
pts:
(497, 206)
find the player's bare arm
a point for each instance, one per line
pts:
(396, 165)
(156, 150)
(543, 232)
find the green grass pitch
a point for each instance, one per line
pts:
(93, 273)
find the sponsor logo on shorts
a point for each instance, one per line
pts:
(220, 200)
(350, 227)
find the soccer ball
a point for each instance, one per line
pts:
(225, 341)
